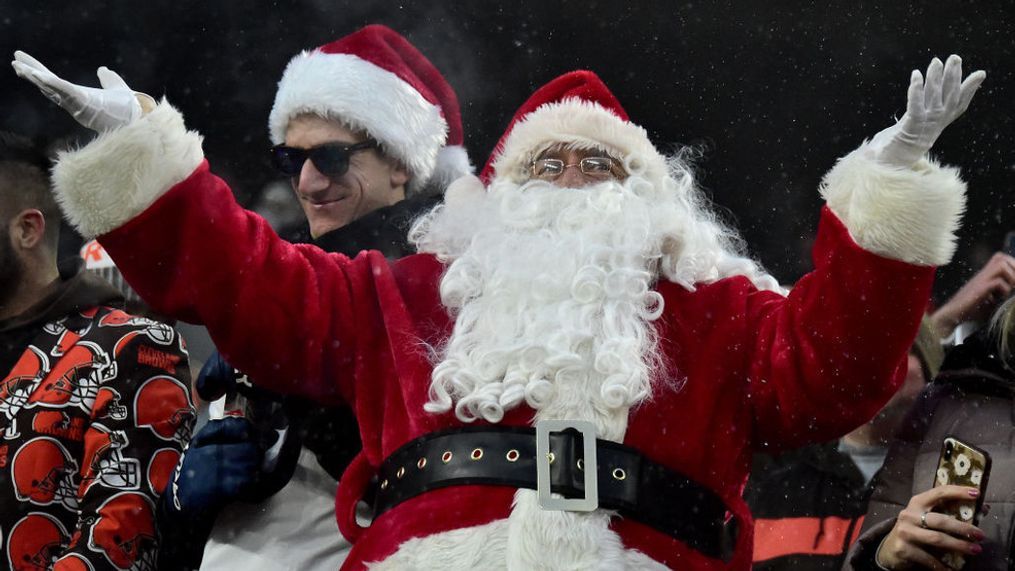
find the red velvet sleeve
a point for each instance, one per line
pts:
(280, 312)
(829, 356)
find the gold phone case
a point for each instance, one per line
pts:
(961, 464)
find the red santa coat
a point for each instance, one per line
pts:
(749, 369)
(753, 369)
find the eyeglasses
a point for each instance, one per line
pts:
(592, 167)
(332, 159)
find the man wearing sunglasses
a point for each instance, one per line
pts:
(365, 156)
(574, 372)
(350, 142)
(361, 174)
(325, 206)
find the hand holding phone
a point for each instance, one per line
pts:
(962, 464)
(937, 529)
(922, 538)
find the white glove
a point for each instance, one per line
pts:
(104, 109)
(932, 106)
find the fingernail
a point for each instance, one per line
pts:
(975, 549)
(979, 535)
(974, 493)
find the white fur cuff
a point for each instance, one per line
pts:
(905, 214)
(122, 172)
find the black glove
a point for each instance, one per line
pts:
(218, 378)
(219, 465)
(269, 430)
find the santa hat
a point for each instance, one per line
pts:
(374, 80)
(574, 109)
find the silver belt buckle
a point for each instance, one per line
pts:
(591, 500)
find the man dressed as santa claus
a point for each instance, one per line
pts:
(575, 370)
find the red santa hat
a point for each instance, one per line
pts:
(574, 109)
(374, 80)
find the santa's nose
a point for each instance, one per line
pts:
(572, 177)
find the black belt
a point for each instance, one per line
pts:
(628, 482)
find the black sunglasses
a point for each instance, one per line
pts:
(332, 159)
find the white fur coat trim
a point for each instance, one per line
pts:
(520, 543)
(365, 97)
(122, 172)
(575, 121)
(906, 214)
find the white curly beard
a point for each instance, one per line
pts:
(551, 290)
(552, 294)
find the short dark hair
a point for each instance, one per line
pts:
(25, 182)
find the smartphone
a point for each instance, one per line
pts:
(961, 464)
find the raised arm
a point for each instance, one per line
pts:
(894, 199)
(282, 313)
(831, 354)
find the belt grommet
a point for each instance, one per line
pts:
(384, 485)
(477, 453)
(581, 464)
(512, 455)
(550, 457)
(400, 472)
(619, 474)
(421, 463)
(447, 456)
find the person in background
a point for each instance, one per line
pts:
(976, 300)
(94, 403)
(972, 400)
(809, 503)
(362, 170)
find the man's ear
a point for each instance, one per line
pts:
(399, 175)
(28, 229)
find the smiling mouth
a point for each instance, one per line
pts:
(320, 203)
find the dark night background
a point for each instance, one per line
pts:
(773, 91)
